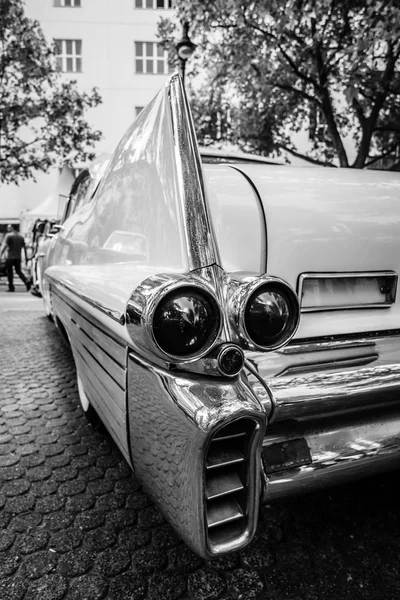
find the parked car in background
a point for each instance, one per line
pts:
(234, 323)
(81, 193)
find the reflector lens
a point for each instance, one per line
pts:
(230, 360)
(267, 315)
(185, 321)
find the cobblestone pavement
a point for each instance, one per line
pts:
(75, 523)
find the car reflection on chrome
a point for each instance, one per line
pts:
(233, 321)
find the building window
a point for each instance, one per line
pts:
(70, 3)
(69, 55)
(160, 4)
(150, 57)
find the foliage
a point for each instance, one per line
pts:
(42, 116)
(331, 67)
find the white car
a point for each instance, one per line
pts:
(235, 323)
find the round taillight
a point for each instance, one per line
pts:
(271, 315)
(230, 360)
(186, 322)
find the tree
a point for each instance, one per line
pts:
(42, 116)
(329, 66)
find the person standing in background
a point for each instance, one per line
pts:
(13, 245)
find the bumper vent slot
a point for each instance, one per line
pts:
(227, 485)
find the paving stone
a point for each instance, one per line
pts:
(66, 539)
(110, 502)
(127, 486)
(77, 562)
(206, 585)
(13, 588)
(72, 488)
(128, 586)
(59, 461)
(38, 473)
(165, 586)
(65, 473)
(150, 517)
(113, 561)
(80, 502)
(9, 563)
(16, 487)
(100, 487)
(122, 518)
(20, 504)
(50, 587)
(6, 540)
(109, 539)
(225, 563)
(24, 522)
(9, 460)
(91, 473)
(244, 583)
(57, 520)
(90, 519)
(148, 560)
(27, 450)
(20, 429)
(15, 472)
(91, 587)
(32, 541)
(100, 538)
(133, 538)
(182, 560)
(44, 488)
(165, 537)
(49, 504)
(53, 449)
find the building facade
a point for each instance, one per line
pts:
(108, 45)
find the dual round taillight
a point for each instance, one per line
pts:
(186, 322)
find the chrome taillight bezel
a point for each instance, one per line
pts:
(144, 303)
(242, 293)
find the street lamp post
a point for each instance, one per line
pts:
(184, 49)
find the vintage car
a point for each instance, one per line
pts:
(234, 323)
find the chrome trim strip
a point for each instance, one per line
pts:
(351, 274)
(261, 205)
(342, 363)
(113, 314)
(201, 248)
(345, 385)
(301, 347)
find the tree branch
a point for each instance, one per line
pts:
(313, 161)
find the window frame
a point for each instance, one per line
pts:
(63, 56)
(154, 57)
(144, 5)
(61, 4)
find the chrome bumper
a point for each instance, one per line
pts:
(334, 412)
(208, 450)
(339, 450)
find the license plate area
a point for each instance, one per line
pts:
(340, 291)
(289, 454)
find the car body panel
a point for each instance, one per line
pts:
(323, 221)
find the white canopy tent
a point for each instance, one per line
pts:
(52, 206)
